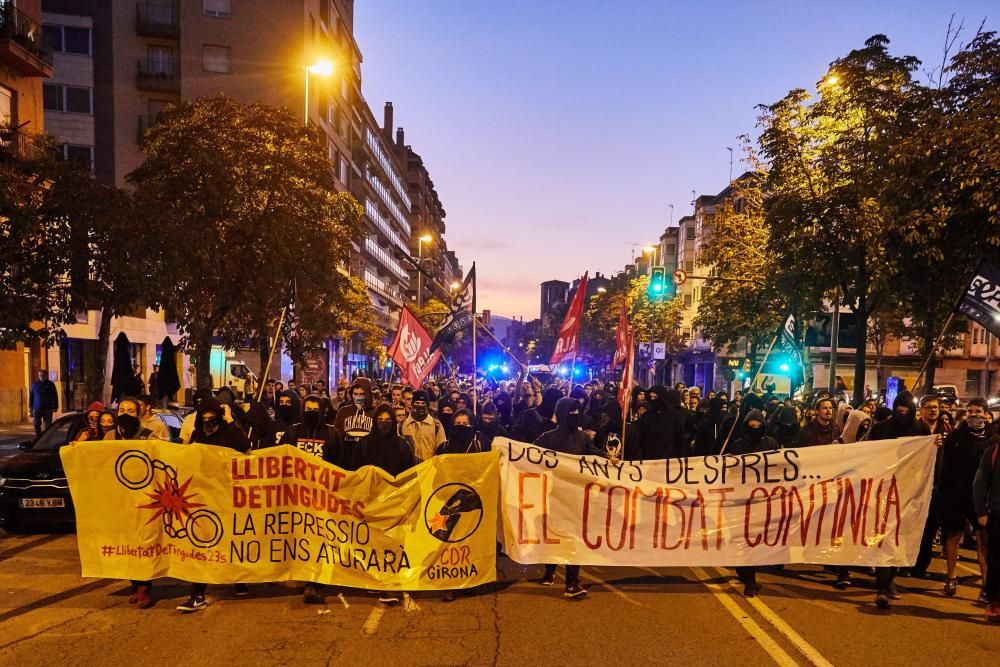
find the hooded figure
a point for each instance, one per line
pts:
(91, 429)
(857, 426)
(490, 425)
(383, 448)
(753, 437)
(187, 426)
(784, 426)
(840, 416)
(538, 420)
(286, 414)
(734, 421)
(354, 418)
(211, 428)
(707, 434)
(566, 437)
(661, 428)
(901, 424)
(462, 439)
(313, 434)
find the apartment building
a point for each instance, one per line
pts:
(120, 62)
(24, 64)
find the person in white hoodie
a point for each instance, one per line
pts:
(856, 427)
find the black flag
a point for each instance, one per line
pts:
(787, 343)
(463, 307)
(981, 301)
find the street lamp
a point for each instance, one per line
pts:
(602, 290)
(650, 250)
(426, 238)
(322, 68)
(455, 285)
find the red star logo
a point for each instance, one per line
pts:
(439, 522)
(170, 498)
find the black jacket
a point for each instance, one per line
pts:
(662, 430)
(962, 453)
(227, 435)
(391, 453)
(322, 441)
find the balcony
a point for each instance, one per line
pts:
(17, 146)
(158, 77)
(158, 18)
(21, 46)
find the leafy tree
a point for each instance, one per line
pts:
(825, 189)
(242, 199)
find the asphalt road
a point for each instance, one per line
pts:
(49, 615)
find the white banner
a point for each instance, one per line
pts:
(859, 504)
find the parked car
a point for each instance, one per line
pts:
(34, 493)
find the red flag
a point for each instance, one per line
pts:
(410, 350)
(625, 390)
(622, 339)
(568, 341)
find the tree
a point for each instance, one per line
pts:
(828, 159)
(242, 200)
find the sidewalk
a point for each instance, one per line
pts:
(12, 434)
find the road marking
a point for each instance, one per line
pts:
(409, 604)
(611, 588)
(371, 625)
(778, 654)
(343, 600)
(804, 647)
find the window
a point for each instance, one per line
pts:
(6, 105)
(65, 39)
(215, 58)
(690, 233)
(73, 99)
(671, 250)
(343, 170)
(81, 154)
(161, 60)
(687, 302)
(217, 8)
(689, 266)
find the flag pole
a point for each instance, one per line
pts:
(752, 383)
(270, 358)
(475, 365)
(930, 355)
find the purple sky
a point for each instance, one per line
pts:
(557, 132)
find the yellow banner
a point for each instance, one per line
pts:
(148, 509)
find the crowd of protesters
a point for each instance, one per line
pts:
(394, 427)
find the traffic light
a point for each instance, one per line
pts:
(660, 286)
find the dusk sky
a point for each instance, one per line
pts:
(558, 132)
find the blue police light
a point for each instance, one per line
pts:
(492, 367)
(505, 368)
(563, 371)
(577, 371)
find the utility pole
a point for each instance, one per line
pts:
(834, 335)
(728, 148)
(671, 215)
(985, 393)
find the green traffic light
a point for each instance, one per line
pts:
(657, 287)
(783, 367)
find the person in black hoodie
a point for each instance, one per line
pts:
(731, 425)
(962, 453)
(210, 428)
(286, 413)
(901, 424)
(446, 412)
(462, 438)
(784, 426)
(661, 428)
(566, 438)
(490, 425)
(313, 436)
(751, 441)
(538, 419)
(354, 419)
(707, 434)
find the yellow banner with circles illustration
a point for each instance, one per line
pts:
(148, 509)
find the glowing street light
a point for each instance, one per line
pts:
(651, 251)
(322, 68)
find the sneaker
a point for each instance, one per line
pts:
(950, 587)
(241, 590)
(142, 597)
(449, 596)
(894, 592)
(388, 598)
(843, 581)
(993, 612)
(882, 600)
(548, 579)
(194, 603)
(751, 589)
(574, 591)
(310, 595)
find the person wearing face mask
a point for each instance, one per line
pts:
(424, 432)
(963, 451)
(107, 423)
(784, 426)
(931, 423)
(901, 424)
(537, 420)
(566, 438)
(129, 427)
(446, 411)
(856, 428)
(286, 414)
(211, 428)
(314, 436)
(354, 420)
(490, 425)
(462, 439)
(707, 434)
(92, 423)
(187, 427)
(753, 439)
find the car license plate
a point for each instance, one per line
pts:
(36, 503)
